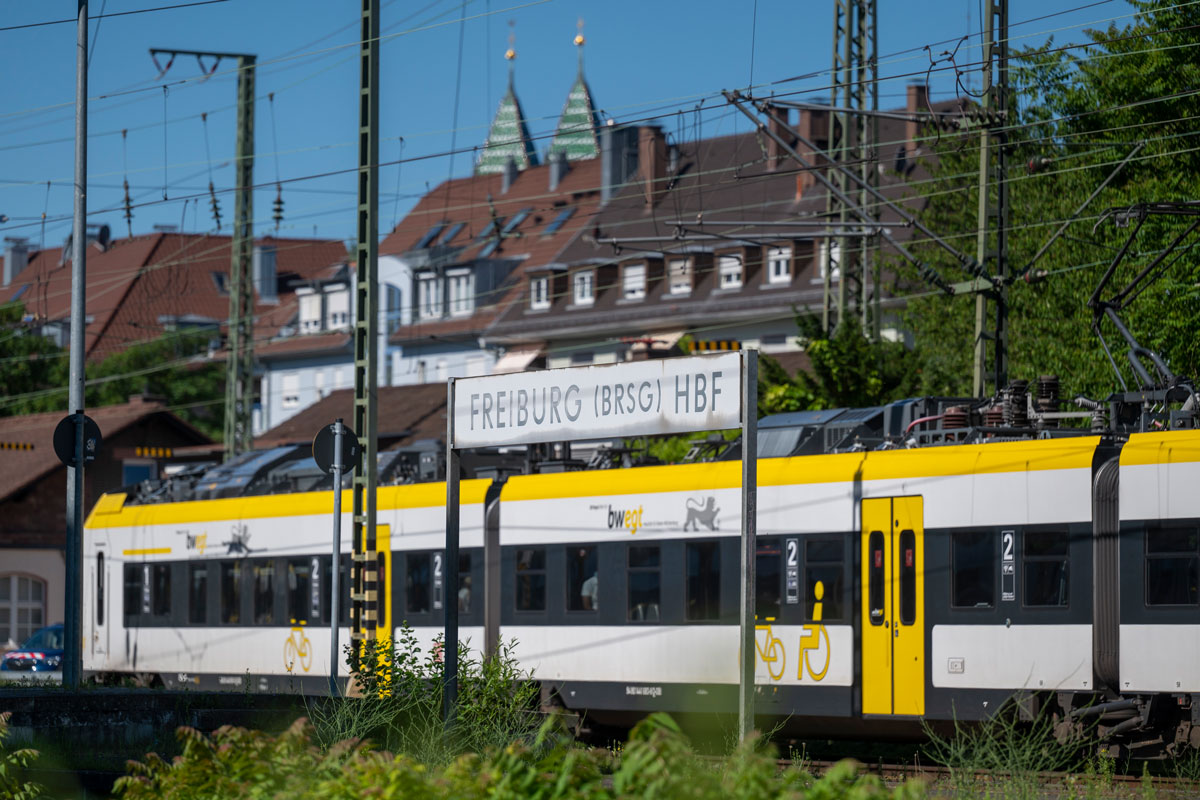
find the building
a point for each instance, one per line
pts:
(139, 438)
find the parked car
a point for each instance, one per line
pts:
(40, 653)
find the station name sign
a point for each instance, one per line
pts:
(669, 395)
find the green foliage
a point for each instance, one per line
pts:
(30, 365)
(13, 785)
(657, 762)
(1083, 110)
(399, 704)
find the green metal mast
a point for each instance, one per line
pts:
(992, 229)
(365, 593)
(239, 366)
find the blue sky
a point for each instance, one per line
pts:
(641, 59)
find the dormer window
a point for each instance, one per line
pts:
(679, 271)
(337, 307)
(310, 310)
(584, 285)
(730, 267)
(779, 265)
(539, 293)
(429, 297)
(633, 282)
(462, 292)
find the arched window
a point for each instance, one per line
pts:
(22, 607)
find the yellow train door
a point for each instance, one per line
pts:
(384, 578)
(893, 606)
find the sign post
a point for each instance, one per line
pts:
(335, 449)
(663, 396)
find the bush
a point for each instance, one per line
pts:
(13, 785)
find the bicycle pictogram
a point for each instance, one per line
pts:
(297, 649)
(813, 636)
(772, 652)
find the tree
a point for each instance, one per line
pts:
(32, 367)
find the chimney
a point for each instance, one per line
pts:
(777, 124)
(813, 126)
(16, 257)
(652, 161)
(918, 100)
(558, 168)
(508, 175)
(618, 159)
(263, 266)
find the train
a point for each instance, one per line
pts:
(929, 560)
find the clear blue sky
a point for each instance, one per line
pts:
(642, 58)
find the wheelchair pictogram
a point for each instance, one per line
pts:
(811, 640)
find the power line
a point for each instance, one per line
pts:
(114, 14)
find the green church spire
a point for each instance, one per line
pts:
(577, 134)
(509, 135)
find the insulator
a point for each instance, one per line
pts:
(128, 211)
(1016, 414)
(214, 204)
(955, 417)
(278, 206)
(993, 417)
(1047, 397)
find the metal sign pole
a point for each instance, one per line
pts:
(450, 592)
(334, 586)
(749, 531)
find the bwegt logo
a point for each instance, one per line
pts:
(631, 519)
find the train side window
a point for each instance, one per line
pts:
(1045, 568)
(531, 579)
(875, 576)
(231, 592)
(644, 575)
(264, 593)
(767, 578)
(160, 593)
(417, 581)
(703, 560)
(908, 577)
(973, 569)
(824, 563)
(1172, 567)
(198, 594)
(300, 588)
(583, 582)
(464, 583)
(133, 591)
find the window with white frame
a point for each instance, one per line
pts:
(337, 309)
(319, 383)
(829, 250)
(679, 271)
(289, 391)
(779, 265)
(730, 267)
(462, 292)
(310, 311)
(633, 282)
(429, 297)
(584, 283)
(539, 293)
(22, 607)
(395, 306)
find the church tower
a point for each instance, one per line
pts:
(508, 138)
(578, 133)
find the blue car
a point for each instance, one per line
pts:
(42, 652)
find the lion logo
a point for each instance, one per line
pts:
(701, 513)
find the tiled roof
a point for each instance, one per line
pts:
(508, 138)
(138, 284)
(405, 413)
(304, 345)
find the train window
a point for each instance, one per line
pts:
(823, 563)
(464, 583)
(1045, 569)
(531, 579)
(161, 592)
(198, 594)
(133, 590)
(1172, 567)
(644, 583)
(417, 582)
(973, 569)
(583, 583)
(100, 588)
(231, 592)
(767, 578)
(264, 593)
(703, 561)
(300, 589)
(875, 576)
(908, 577)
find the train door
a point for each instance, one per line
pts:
(100, 598)
(893, 606)
(383, 561)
